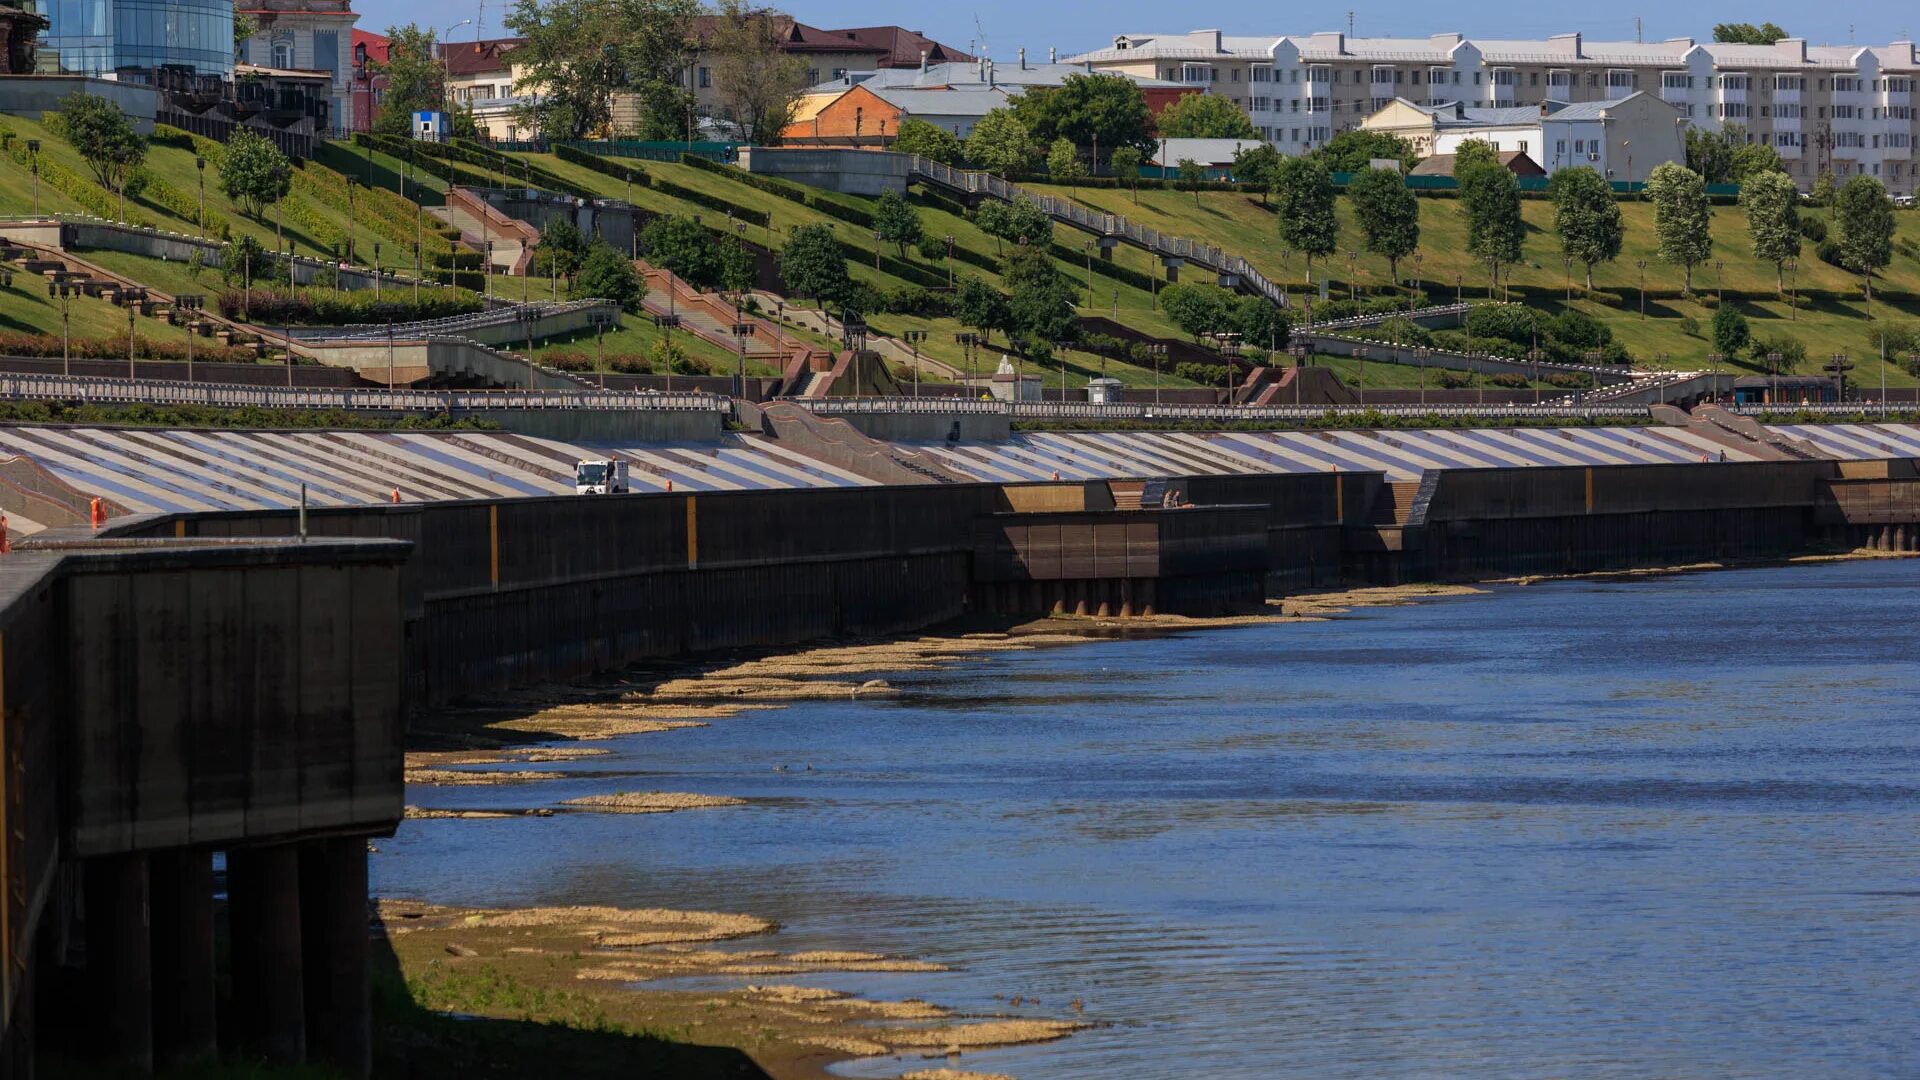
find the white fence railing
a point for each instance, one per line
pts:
(121, 391)
(1079, 410)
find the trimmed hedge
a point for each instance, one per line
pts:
(791, 192)
(81, 188)
(332, 307)
(666, 187)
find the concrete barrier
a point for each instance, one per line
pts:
(854, 172)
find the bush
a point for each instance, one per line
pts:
(1508, 380)
(1204, 374)
(1690, 326)
(326, 307)
(1512, 322)
(1814, 229)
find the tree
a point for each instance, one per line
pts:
(1747, 33)
(1063, 163)
(1586, 217)
(736, 268)
(1474, 152)
(1199, 308)
(1865, 217)
(1751, 159)
(99, 132)
(1710, 153)
(561, 250)
(915, 136)
(1682, 218)
(1357, 149)
(1257, 164)
(606, 274)
(1192, 176)
(1088, 110)
(1496, 233)
(813, 265)
(1021, 221)
(1204, 116)
(1040, 306)
(1261, 323)
(1822, 191)
(980, 306)
(1126, 168)
(684, 248)
(461, 123)
(579, 53)
(254, 172)
(1730, 331)
(759, 81)
(1388, 213)
(896, 221)
(1000, 143)
(244, 27)
(1303, 191)
(416, 79)
(1772, 203)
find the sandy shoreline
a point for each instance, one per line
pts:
(620, 958)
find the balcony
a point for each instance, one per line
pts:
(1787, 97)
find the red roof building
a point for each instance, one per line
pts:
(368, 85)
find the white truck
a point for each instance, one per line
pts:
(600, 476)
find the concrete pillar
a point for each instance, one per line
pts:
(181, 881)
(263, 908)
(333, 917)
(119, 964)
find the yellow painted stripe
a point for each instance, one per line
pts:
(180, 527)
(693, 536)
(1340, 499)
(1589, 489)
(493, 541)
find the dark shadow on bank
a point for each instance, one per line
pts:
(419, 1044)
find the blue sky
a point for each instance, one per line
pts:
(1073, 27)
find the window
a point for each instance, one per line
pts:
(706, 78)
(1236, 74)
(1675, 80)
(1534, 79)
(1619, 80)
(1846, 112)
(1559, 148)
(283, 54)
(1559, 80)
(1899, 140)
(1788, 111)
(1733, 110)
(813, 76)
(1733, 82)
(1900, 112)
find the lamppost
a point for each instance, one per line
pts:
(133, 298)
(33, 156)
(1301, 351)
(1421, 355)
(914, 338)
(1642, 265)
(333, 263)
(1459, 288)
(1158, 352)
(1361, 352)
(376, 271)
(446, 60)
(1713, 368)
(1414, 290)
(64, 291)
(1792, 267)
(1353, 284)
(1839, 364)
(1719, 282)
(1568, 260)
(246, 284)
(416, 275)
(488, 260)
(200, 170)
(1533, 355)
(949, 240)
(351, 184)
(741, 330)
(1088, 249)
(967, 341)
(192, 303)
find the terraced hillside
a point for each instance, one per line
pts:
(1833, 316)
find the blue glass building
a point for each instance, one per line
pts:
(98, 37)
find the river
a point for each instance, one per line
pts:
(1645, 827)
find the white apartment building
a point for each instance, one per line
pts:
(1847, 108)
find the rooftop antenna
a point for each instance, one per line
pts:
(1349, 22)
(982, 32)
(1637, 39)
(480, 24)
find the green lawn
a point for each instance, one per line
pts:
(1833, 316)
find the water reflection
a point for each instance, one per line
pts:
(1558, 830)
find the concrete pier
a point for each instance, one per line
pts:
(119, 960)
(334, 946)
(180, 884)
(269, 986)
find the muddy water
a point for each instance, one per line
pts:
(1650, 828)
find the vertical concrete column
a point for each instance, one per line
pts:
(263, 911)
(333, 916)
(119, 964)
(181, 881)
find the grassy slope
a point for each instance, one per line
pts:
(1832, 317)
(1134, 305)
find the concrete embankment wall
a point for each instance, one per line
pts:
(1486, 522)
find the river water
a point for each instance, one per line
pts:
(1647, 828)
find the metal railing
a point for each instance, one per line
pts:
(1207, 256)
(1432, 312)
(96, 390)
(453, 325)
(1077, 410)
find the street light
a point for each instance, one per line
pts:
(1158, 351)
(914, 338)
(33, 155)
(967, 341)
(64, 291)
(1353, 284)
(1642, 265)
(134, 298)
(1792, 267)
(376, 271)
(191, 303)
(1719, 281)
(200, 170)
(446, 61)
